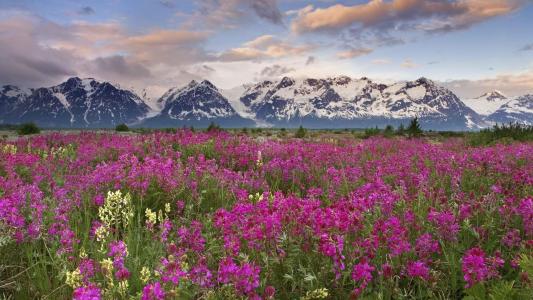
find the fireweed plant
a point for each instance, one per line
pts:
(217, 216)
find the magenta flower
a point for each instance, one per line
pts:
(362, 275)
(474, 267)
(245, 278)
(202, 276)
(269, 293)
(153, 291)
(418, 269)
(87, 269)
(426, 246)
(362, 272)
(512, 238)
(445, 223)
(89, 292)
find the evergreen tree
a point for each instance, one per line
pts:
(400, 130)
(389, 131)
(122, 127)
(414, 129)
(213, 127)
(28, 128)
(300, 133)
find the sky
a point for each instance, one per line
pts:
(469, 46)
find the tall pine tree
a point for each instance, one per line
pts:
(414, 129)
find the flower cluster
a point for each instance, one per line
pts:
(478, 268)
(117, 210)
(215, 215)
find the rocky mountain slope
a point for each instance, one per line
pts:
(75, 103)
(335, 102)
(196, 104)
(346, 102)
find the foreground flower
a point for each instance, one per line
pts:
(153, 292)
(478, 268)
(245, 278)
(89, 292)
(418, 269)
(362, 274)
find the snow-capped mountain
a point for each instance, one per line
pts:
(519, 109)
(196, 104)
(335, 102)
(76, 103)
(487, 103)
(10, 97)
(346, 102)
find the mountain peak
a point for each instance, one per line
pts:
(425, 81)
(285, 82)
(208, 84)
(341, 80)
(493, 96)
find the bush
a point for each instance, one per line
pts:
(300, 133)
(504, 133)
(400, 130)
(389, 131)
(122, 128)
(283, 132)
(213, 127)
(28, 128)
(170, 130)
(370, 132)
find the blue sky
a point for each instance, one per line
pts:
(468, 45)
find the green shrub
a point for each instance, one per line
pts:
(389, 131)
(370, 132)
(300, 133)
(213, 127)
(502, 134)
(170, 130)
(28, 128)
(400, 130)
(122, 128)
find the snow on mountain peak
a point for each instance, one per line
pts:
(493, 96)
(14, 91)
(487, 103)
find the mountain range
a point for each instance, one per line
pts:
(335, 102)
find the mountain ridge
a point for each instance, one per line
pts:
(332, 102)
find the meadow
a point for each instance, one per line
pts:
(219, 215)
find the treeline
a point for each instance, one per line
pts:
(504, 133)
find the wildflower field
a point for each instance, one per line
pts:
(197, 215)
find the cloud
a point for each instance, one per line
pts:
(268, 10)
(260, 41)
(442, 14)
(263, 47)
(116, 67)
(275, 71)
(380, 61)
(39, 52)
(353, 53)
(167, 3)
(310, 60)
(228, 13)
(409, 64)
(378, 23)
(85, 11)
(24, 60)
(510, 84)
(527, 47)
